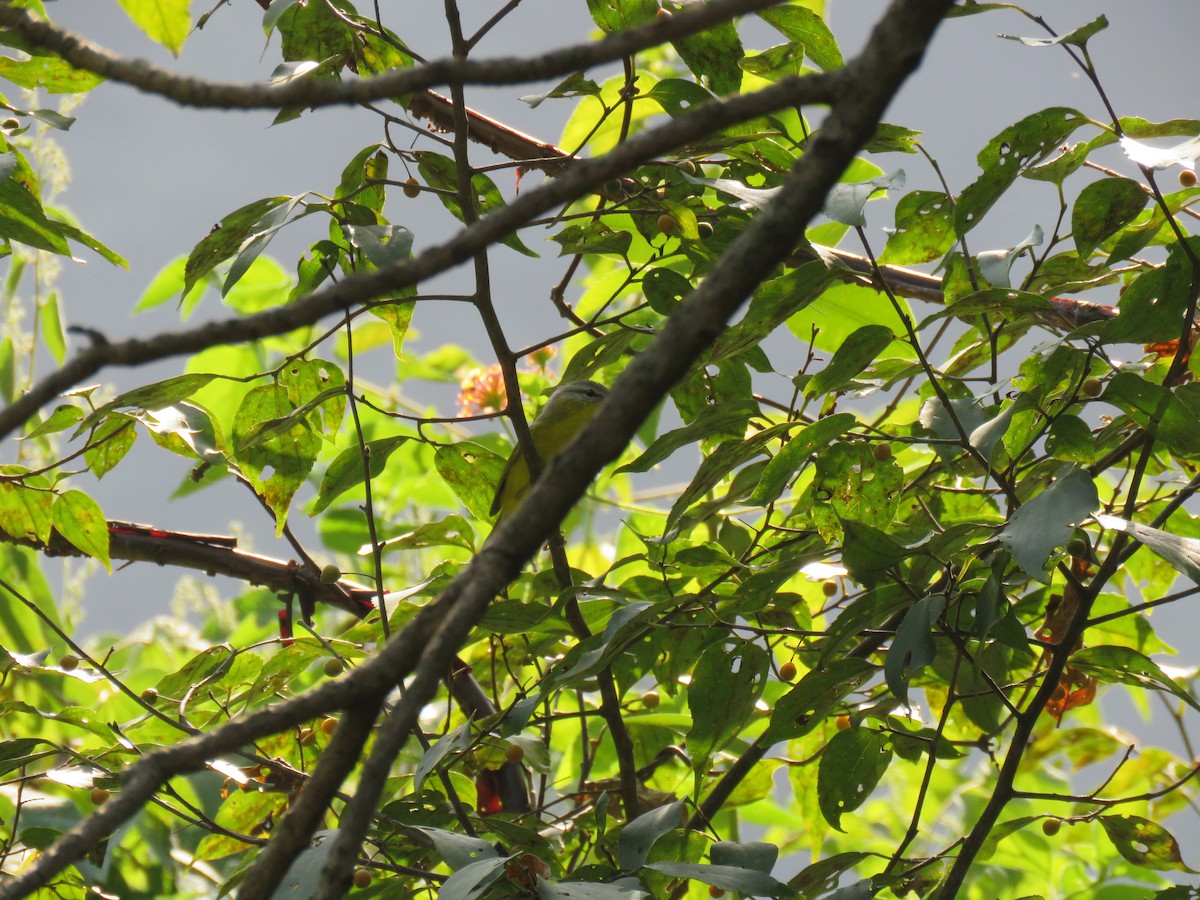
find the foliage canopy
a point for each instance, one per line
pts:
(857, 652)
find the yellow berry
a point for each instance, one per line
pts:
(1092, 387)
(667, 224)
(412, 188)
(329, 726)
(1050, 827)
(842, 722)
(1187, 178)
(333, 667)
(882, 451)
(307, 736)
(829, 588)
(787, 671)
(150, 695)
(514, 753)
(331, 574)
(362, 878)
(650, 700)
(99, 795)
(69, 662)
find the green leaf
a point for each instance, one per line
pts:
(850, 483)
(1078, 37)
(868, 552)
(1144, 843)
(725, 686)
(347, 469)
(50, 326)
(715, 419)
(1175, 421)
(1123, 665)
(22, 218)
(25, 505)
(858, 352)
(150, 396)
(63, 417)
(471, 471)
(796, 453)
(815, 697)
(166, 21)
(1103, 208)
(802, 25)
(1153, 304)
(228, 239)
(713, 56)
(1182, 553)
(440, 172)
(49, 73)
(79, 519)
(924, 229)
(777, 62)
(285, 455)
(728, 878)
(638, 837)
(108, 444)
(774, 303)
(592, 237)
(1009, 155)
(1048, 520)
(913, 648)
(851, 765)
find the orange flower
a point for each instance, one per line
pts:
(541, 357)
(482, 392)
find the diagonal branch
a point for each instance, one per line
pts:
(312, 93)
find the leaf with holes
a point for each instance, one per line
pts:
(725, 686)
(851, 765)
(1144, 843)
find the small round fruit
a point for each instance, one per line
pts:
(882, 451)
(150, 695)
(362, 878)
(69, 662)
(307, 737)
(829, 588)
(329, 726)
(705, 230)
(1077, 548)
(1050, 827)
(1092, 387)
(667, 224)
(842, 722)
(788, 671)
(412, 187)
(331, 574)
(514, 753)
(1187, 178)
(99, 795)
(333, 667)
(687, 166)
(650, 700)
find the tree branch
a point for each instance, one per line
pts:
(313, 93)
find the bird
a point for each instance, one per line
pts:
(569, 409)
